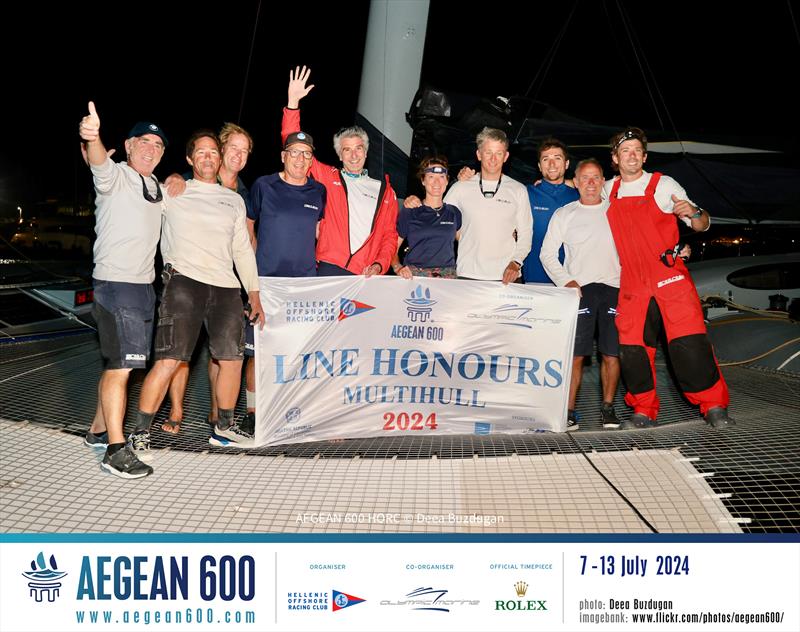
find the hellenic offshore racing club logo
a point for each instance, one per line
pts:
(318, 600)
(420, 305)
(519, 604)
(44, 579)
(348, 307)
(341, 600)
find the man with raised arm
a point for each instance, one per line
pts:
(358, 234)
(128, 225)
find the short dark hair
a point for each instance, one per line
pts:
(431, 160)
(549, 143)
(197, 135)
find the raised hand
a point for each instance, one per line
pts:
(298, 78)
(89, 127)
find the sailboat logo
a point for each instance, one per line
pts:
(44, 578)
(420, 305)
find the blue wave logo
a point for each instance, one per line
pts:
(44, 578)
(420, 304)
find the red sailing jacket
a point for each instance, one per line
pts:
(333, 245)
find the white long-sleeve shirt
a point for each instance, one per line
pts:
(127, 225)
(205, 235)
(590, 254)
(486, 245)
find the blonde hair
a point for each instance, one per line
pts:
(229, 129)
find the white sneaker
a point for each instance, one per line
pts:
(231, 437)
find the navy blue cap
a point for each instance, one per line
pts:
(299, 137)
(142, 128)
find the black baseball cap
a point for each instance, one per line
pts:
(299, 137)
(143, 128)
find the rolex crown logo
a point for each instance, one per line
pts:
(521, 588)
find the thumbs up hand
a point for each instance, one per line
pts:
(89, 127)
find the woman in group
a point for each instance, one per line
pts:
(431, 229)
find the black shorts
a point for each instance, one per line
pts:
(186, 305)
(598, 309)
(124, 316)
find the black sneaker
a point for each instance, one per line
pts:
(572, 421)
(248, 424)
(125, 464)
(637, 421)
(609, 416)
(96, 440)
(718, 418)
(139, 443)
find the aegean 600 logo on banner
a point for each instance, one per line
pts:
(373, 357)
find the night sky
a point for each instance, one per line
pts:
(721, 71)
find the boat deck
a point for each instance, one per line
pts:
(680, 477)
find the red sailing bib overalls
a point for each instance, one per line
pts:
(651, 292)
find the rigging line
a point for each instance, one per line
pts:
(691, 162)
(627, 28)
(249, 62)
(794, 22)
(624, 498)
(624, 60)
(544, 69)
(656, 88)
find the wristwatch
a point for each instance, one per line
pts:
(698, 214)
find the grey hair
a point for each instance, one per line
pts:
(491, 133)
(349, 132)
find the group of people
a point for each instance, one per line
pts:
(311, 219)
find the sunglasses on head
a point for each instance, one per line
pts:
(629, 135)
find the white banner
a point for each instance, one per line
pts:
(347, 357)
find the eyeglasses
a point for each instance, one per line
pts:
(147, 196)
(294, 153)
